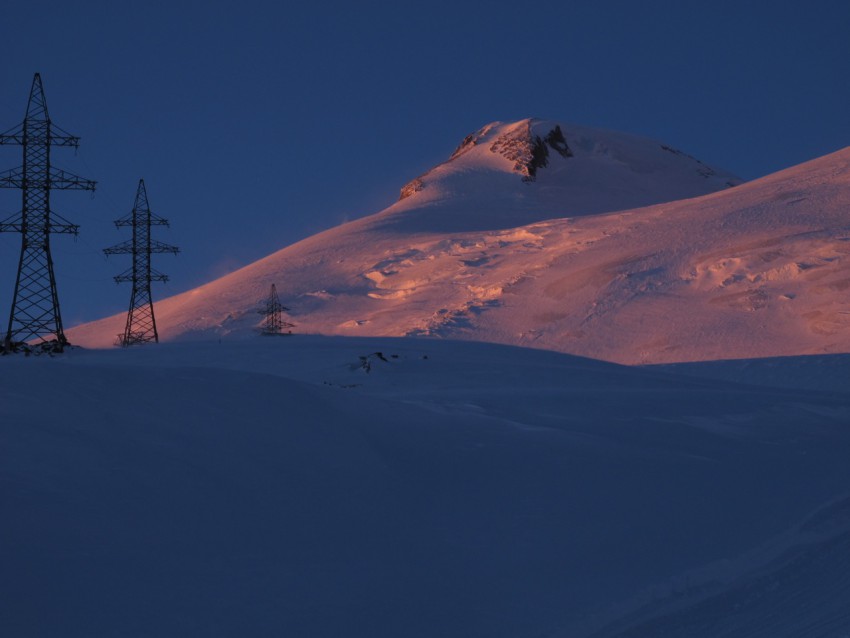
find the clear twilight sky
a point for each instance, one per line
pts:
(256, 124)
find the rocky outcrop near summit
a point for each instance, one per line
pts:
(529, 151)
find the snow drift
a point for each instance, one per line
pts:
(325, 487)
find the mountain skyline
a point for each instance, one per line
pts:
(256, 126)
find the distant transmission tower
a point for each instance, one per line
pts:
(274, 324)
(141, 325)
(35, 306)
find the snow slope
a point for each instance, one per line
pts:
(801, 590)
(450, 246)
(311, 487)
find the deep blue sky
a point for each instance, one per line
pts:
(256, 124)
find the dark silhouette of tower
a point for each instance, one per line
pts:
(274, 324)
(141, 324)
(35, 306)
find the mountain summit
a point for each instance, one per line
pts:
(509, 174)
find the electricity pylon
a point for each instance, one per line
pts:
(35, 306)
(274, 324)
(141, 324)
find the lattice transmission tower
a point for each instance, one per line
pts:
(35, 305)
(274, 323)
(141, 324)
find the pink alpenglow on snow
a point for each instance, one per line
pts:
(566, 238)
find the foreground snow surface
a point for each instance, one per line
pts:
(308, 486)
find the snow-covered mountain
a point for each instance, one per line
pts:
(532, 233)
